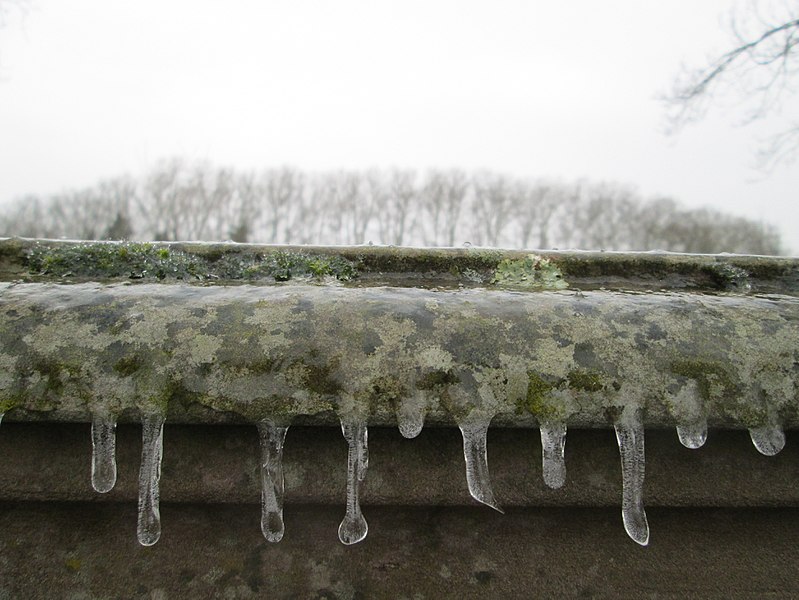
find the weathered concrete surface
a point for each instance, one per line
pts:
(220, 464)
(382, 354)
(86, 552)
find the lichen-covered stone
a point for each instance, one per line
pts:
(316, 352)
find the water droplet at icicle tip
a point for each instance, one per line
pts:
(476, 457)
(149, 522)
(769, 440)
(630, 437)
(693, 435)
(354, 528)
(410, 419)
(104, 463)
(553, 447)
(272, 438)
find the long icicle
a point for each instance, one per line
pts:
(149, 525)
(768, 440)
(630, 436)
(353, 527)
(104, 462)
(476, 456)
(553, 446)
(272, 438)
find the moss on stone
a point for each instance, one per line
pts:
(729, 277)
(260, 365)
(435, 380)
(707, 374)
(127, 366)
(318, 380)
(7, 404)
(535, 402)
(532, 271)
(717, 384)
(585, 380)
(110, 260)
(387, 389)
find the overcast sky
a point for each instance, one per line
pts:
(96, 88)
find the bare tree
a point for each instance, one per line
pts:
(353, 206)
(538, 203)
(282, 191)
(602, 218)
(565, 225)
(120, 196)
(27, 217)
(180, 201)
(443, 197)
(760, 71)
(653, 225)
(492, 206)
(161, 198)
(20, 6)
(394, 199)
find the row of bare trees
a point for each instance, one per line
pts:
(179, 200)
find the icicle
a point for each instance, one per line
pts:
(768, 440)
(410, 415)
(149, 526)
(410, 421)
(104, 462)
(693, 435)
(630, 436)
(353, 528)
(553, 444)
(475, 454)
(272, 438)
(1, 417)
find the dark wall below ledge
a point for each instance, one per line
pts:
(723, 519)
(218, 464)
(88, 551)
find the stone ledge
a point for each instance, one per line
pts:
(358, 337)
(225, 263)
(392, 355)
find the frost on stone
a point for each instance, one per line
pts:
(272, 438)
(476, 457)
(149, 525)
(353, 528)
(768, 440)
(693, 435)
(410, 415)
(553, 446)
(630, 436)
(104, 462)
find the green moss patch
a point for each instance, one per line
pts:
(111, 260)
(585, 380)
(532, 272)
(435, 380)
(712, 378)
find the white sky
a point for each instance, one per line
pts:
(97, 88)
